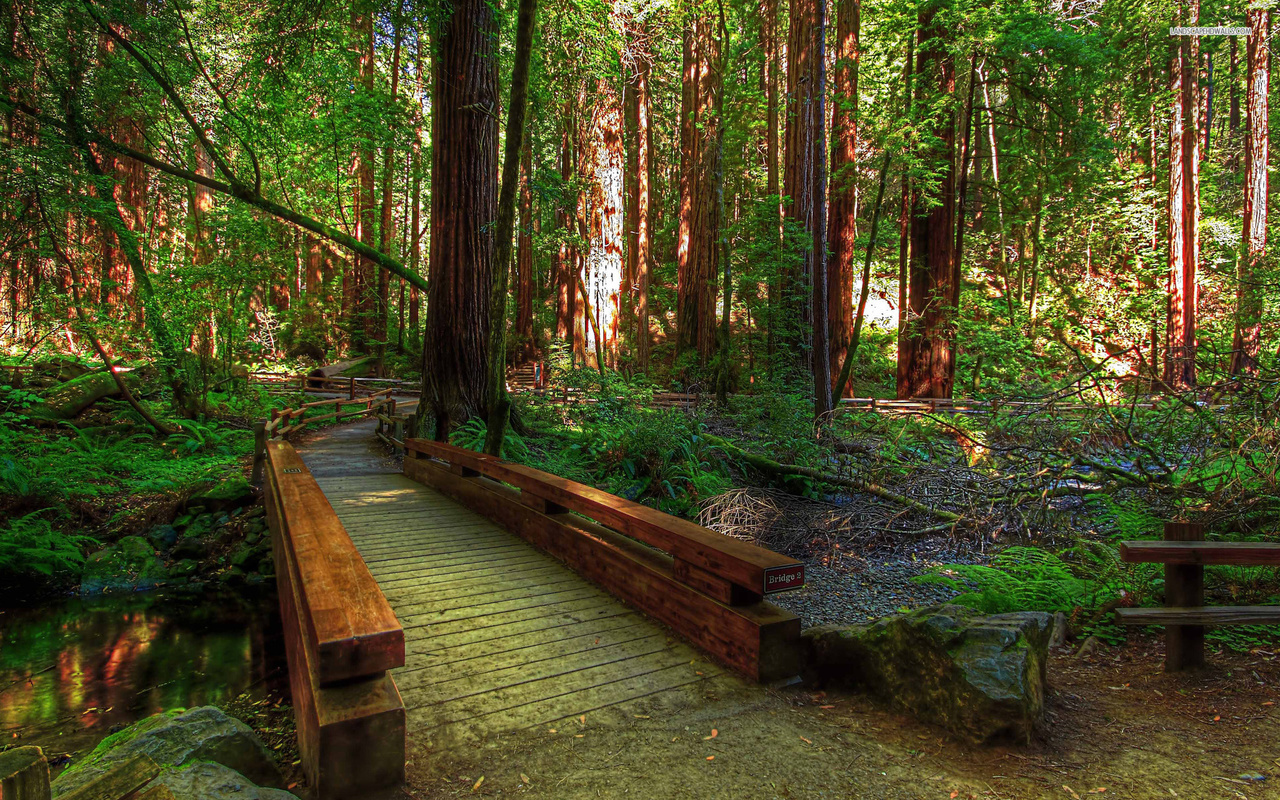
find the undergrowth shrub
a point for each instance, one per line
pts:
(31, 545)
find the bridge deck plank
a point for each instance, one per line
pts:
(498, 635)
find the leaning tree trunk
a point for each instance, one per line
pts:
(1248, 333)
(464, 207)
(499, 406)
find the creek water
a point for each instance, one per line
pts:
(73, 671)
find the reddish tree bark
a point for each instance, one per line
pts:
(1249, 294)
(927, 368)
(805, 181)
(842, 227)
(464, 180)
(524, 261)
(386, 226)
(1180, 366)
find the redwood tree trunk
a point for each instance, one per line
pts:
(842, 228)
(698, 256)
(806, 183)
(464, 180)
(928, 352)
(363, 321)
(1249, 294)
(524, 262)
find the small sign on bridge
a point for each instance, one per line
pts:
(782, 579)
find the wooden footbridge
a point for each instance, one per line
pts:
(461, 595)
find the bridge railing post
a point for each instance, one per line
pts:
(259, 450)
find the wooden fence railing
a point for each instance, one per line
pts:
(290, 420)
(709, 587)
(353, 387)
(341, 638)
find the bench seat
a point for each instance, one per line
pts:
(1201, 615)
(1237, 553)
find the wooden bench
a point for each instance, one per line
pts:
(341, 638)
(1184, 554)
(708, 587)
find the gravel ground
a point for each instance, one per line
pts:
(861, 591)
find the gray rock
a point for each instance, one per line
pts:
(205, 780)
(176, 739)
(192, 548)
(163, 537)
(130, 564)
(982, 677)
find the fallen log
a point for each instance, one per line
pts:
(68, 399)
(775, 469)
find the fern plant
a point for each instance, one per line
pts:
(1021, 579)
(30, 544)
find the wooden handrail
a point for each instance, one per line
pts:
(341, 638)
(701, 555)
(349, 624)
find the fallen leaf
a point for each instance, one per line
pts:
(292, 785)
(806, 741)
(582, 720)
(579, 735)
(524, 778)
(711, 758)
(954, 795)
(477, 783)
(640, 716)
(1071, 791)
(826, 706)
(1217, 718)
(551, 730)
(1099, 790)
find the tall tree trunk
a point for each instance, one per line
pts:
(1249, 293)
(1191, 137)
(386, 227)
(604, 274)
(806, 179)
(1173, 316)
(464, 207)
(904, 223)
(524, 261)
(698, 252)
(566, 281)
(363, 323)
(499, 405)
(641, 216)
(842, 228)
(933, 291)
(773, 161)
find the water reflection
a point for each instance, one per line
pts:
(72, 672)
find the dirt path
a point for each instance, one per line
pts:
(1117, 727)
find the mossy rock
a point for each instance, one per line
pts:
(982, 677)
(130, 564)
(175, 739)
(227, 493)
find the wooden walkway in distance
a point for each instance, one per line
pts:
(498, 635)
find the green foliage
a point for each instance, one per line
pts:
(30, 544)
(1022, 579)
(471, 436)
(197, 437)
(13, 402)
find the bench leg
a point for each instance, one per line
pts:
(1183, 588)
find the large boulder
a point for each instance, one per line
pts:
(206, 780)
(175, 739)
(130, 564)
(982, 677)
